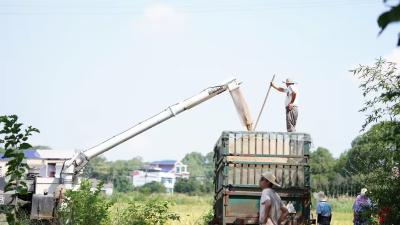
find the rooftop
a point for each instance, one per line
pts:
(45, 154)
(29, 154)
(164, 162)
(56, 154)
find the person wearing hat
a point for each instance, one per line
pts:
(290, 103)
(324, 210)
(272, 209)
(361, 207)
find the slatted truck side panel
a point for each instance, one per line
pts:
(241, 157)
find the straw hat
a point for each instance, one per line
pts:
(270, 177)
(289, 81)
(363, 191)
(321, 196)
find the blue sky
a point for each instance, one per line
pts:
(82, 71)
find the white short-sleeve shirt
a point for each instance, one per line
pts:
(289, 90)
(269, 195)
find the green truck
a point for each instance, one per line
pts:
(241, 157)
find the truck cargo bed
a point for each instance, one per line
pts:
(241, 157)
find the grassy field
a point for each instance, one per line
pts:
(192, 208)
(191, 212)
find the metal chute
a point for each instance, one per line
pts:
(241, 105)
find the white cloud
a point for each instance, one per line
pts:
(394, 56)
(163, 18)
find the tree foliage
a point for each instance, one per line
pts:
(122, 184)
(151, 212)
(389, 17)
(14, 140)
(380, 84)
(152, 187)
(102, 169)
(322, 168)
(98, 168)
(84, 206)
(201, 168)
(193, 186)
(41, 147)
(198, 164)
(375, 157)
(118, 172)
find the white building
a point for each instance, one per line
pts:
(49, 164)
(164, 172)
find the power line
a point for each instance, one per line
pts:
(128, 9)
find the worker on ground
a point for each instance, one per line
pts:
(272, 209)
(361, 208)
(290, 103)
(324, 210)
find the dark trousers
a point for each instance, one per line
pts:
(324, 220)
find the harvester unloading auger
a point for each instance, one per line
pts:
(69, 177)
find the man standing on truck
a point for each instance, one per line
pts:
(272, 209)
(290, 103)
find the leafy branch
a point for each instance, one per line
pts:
(380, 84)
(14, 139)
(388, 17)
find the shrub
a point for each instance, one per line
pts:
(152, 212)
(152, 187)
(190, 186)
(207, 218)
(84, 206)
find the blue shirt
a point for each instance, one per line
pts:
(324, 208)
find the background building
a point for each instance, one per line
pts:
(48, 165)
(165, 172)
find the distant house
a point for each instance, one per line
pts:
(172, 166)
(165, 172)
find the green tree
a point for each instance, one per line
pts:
(125, 167)
(322, 166)
(98, 168)
(201, 167)
(117, 172)
(14, 140)
(84, 206)
(209, 165)
(152, 187)
(122, 184)
(375, 157)
(195, 162)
